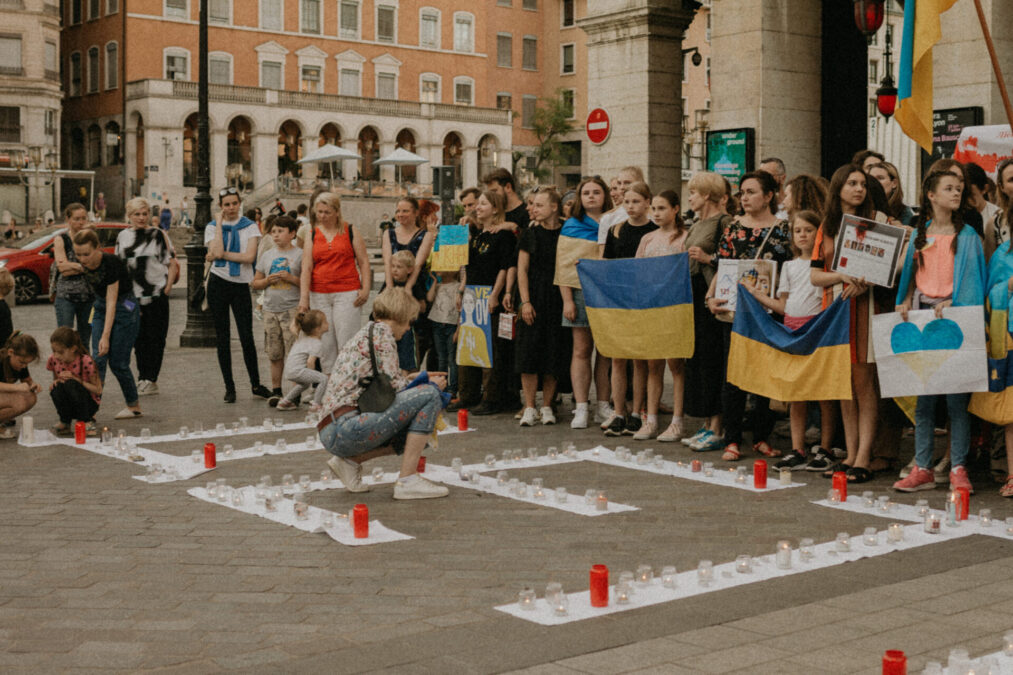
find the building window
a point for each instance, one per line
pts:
(530, 4)
(464, 91)
(176, 9)
(94, 9)
(707, 35)
(52, 67)
(568, 19)
(309, 79)
(568, 102)
(75, 74)
(50, 122)
(350, 82)
(529, 55)
(10, 124)
(112, 144)
(505, 3)
(464, 33)
(429, 28)
(504, 101)
(270, 75)
(528, 104)
(386, 24)
(567, 62)
(272, 14)
(219, 11)
(177, 66)
(94, 146)
(10, 55)
(219, 69)
(309, 16)
(872, 108)
(429, 89)
(873, 72)
(112, 65)
(386, 85)
(686, 65)
(504, 47)
(112, 6)
(92, 70)
(708, 71)
(349, 20)
(75, 11)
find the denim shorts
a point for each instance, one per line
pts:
(580, 320)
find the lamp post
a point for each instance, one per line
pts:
(886, 95)
(199, 330)
(37, 161)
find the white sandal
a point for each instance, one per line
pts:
(128, 414)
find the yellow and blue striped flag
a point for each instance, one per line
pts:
(578, 240)
(639, 308)
(812, 363)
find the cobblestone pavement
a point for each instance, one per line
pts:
(103, 572)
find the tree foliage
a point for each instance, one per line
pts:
(550, 121)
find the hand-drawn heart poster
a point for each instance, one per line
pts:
(926, 355)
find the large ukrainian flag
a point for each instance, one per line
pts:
(640, 308)
(812, 363)
(996, 405)
(578, 240)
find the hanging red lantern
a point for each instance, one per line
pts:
(886, 98)
(869, 15)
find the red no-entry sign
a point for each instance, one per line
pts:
(598, 126)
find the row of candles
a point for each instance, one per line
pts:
(242, 425)
(959, 662)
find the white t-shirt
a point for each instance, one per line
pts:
(245, 269)
(444, 309)
(611, 218)
(302, 349)
(803, 298)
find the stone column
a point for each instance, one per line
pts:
(264, 147)
(634, 71)
(219, 159)
(388, 173)
(469, 165)
(309, 171)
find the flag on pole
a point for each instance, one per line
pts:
(914, 95)
(812, 363)
(640, 308)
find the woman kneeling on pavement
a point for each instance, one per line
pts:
(354, 437)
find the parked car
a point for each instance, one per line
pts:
(30, 259)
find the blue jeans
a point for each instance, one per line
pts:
(413, 411)
(67, 311)
(406, 351)
(960, 429)
(126, 323)
(446, 356)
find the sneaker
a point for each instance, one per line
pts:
(959, 479)
(793, 460)
(287, 405)
(812, 435)
(8, 432)
(672, 433)
(417, 487)
(530, 417)
(713, 442)
(697, 437)
(616, 427)
(142, 387)
(230, 396)
(821, 460)
(607, 422)
(150, 388)
(646, 432)
(520, 414)
(633, 424)
(548, 417)
(918, 479)
(942, 470)
(349, 473)
(262, 391)
(274, 401)
(579, 418)
(604, 411)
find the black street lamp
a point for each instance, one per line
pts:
(886, 95)
(199, 330)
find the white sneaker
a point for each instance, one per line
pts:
(579, 419)
(547, 416)
(647, 431)
(349, 472)
(529, 418)
(417, 487)
(604, 412)
(906, 471)
(609, 420)
(942, 470)
(142, 387)
(672, 433)
(148, 389)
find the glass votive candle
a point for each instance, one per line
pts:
(325, 476)
(705, 573)
(1009, 525)
(146, 433)
(501, 477)
(868, 499)
(287, 480)
(227, 450)
(277, 492)
(238, 497)
(561, 495)
(870, 537)
(235, 427)
(624, 592)
(589, 496)
(695, 466)
(561, 607)
(645, 575)
(270, 503)
(279, 423)
(310, 441)
(304, 482)
(552, 452)
(985, 517)
(532, 453)
(923, 507)
(708, 469)
(537, 482)
(512, 485)
(211, 488)
(299, 506)
(659, 461)
(806, 549)
(782, 555)
(506, 455)
(268, 424)
(933, 523)
(183, 431)
(327, 519)
(601, 502)
(894, 533)
(741, 474)
(834, 495)
(537, 492)
(517, 455)
(744, 564)
(258, 447)
(1007, 644)
(196, 456)
(266, 480)
(883, 503)
(377, 474)
(280, 445)
(649, 454)
(553, 590)
(843, 542)
(456, 464)
(668, 576)
(526, 598)
(220, 428)
(490, 460)
(244, 422)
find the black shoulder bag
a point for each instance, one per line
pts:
(377, 391)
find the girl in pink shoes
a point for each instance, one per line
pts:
(76, 390)
(668, 239)
(944, 266)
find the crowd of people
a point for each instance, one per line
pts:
(311, 277)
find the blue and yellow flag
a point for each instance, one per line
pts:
(578, 240)
(996, 405)
(640, 308)
(812, 363)
(450, 252)
(914, 93)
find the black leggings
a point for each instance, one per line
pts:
(73, 402)
(222, 296)
(733, 407)
(150, 345)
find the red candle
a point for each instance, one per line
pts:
(894, 662)
(80, 433)
(421, 468)
(695, 466)
(462, 420)
(760, 474)
(599, 586)
(964, 503)
(209, 456)
(841, 484)
(360, 521)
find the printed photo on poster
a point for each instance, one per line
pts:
(731, 273)
(474, 336)
(450, 252)
(866, 249)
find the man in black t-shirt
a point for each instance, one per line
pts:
(501, 182)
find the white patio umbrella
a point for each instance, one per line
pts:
(329, 154)
(401, 157)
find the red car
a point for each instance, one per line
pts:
(32, 257)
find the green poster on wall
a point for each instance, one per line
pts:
(730, 153)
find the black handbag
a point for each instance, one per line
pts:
(377, 391)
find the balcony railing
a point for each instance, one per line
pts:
(12, 4)
(17, 71)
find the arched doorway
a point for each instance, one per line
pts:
(77, 160)
(113, 142)
(488, 155)
(369, 148)
(94, 146)
(406, 140)
(452, 148)
(289, 149)
(239, 156)
(190, 151)
(329, 133)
